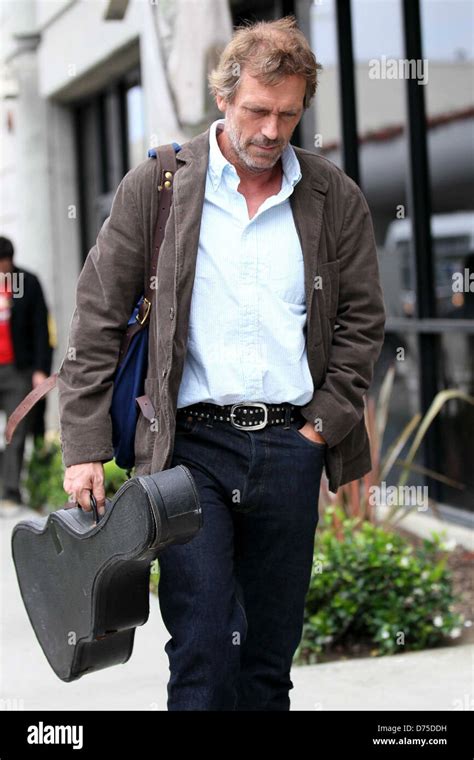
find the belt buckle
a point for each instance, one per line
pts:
(259, 425)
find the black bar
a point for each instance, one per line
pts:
(419, 202)
(81, 188)
(21, 734)
(102, 147)
(347, 90)
(124, 136)
(439, 326)
(287, 8)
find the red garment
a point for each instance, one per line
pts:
(7, 355)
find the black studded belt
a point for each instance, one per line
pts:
(244, 414)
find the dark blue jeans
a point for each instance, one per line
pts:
(233, 597)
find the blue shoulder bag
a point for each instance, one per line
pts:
(129, 379)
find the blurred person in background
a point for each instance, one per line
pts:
(25, 358)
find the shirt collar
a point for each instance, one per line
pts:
(218, 162)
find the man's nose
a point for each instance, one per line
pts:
(270, 128)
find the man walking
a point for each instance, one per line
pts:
(267, 321)
(25, 360)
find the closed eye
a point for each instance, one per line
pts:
(261, 111)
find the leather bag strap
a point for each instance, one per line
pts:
(167, 156)
(28, 403)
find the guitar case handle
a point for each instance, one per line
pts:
(97, 517)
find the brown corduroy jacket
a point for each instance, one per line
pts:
(345, 311)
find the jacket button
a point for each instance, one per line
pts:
(171, 313)
(164, 372)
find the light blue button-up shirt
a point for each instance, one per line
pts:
(246, 339)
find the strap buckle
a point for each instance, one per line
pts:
(259, 425)
(148, 307)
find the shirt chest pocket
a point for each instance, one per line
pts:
(286, 275)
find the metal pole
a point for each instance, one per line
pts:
(347, 90)
(420, 212)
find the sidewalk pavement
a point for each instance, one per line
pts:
(436, 679)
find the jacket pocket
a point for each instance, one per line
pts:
(329, 272)
(352, 445)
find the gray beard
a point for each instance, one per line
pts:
(243, 155)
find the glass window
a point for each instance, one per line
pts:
(448, 47)
(110, 141)
(326, 100)
(402, 352)
(457, 418)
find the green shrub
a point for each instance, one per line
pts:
(45, 475)
(373, 586)
(154, 576)
(114, 477)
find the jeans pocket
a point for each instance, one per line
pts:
(305, 439)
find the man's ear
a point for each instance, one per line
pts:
(221, 104)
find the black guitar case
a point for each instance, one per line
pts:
(84, 580)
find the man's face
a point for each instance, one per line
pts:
(6, 265)
(262, 118)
